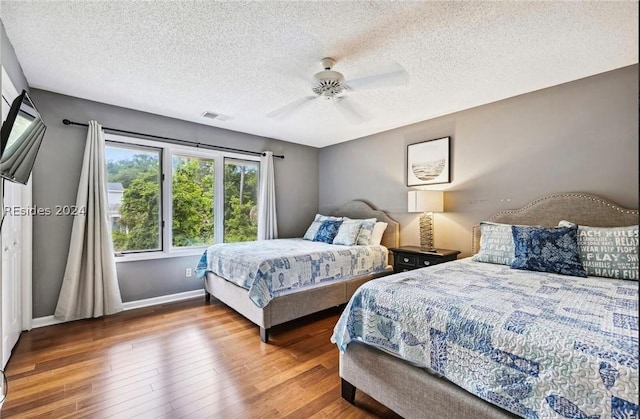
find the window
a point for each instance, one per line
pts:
(134, 196)
(206, 197)
(240, 200)
(192, 197)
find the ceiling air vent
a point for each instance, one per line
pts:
(216, 116)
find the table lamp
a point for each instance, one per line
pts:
(426, 202)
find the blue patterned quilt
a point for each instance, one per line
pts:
(269, 268)
(536, 344)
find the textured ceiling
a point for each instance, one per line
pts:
(245, 59)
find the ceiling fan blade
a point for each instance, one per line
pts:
(349, 111)
(393, 75)
(291, 69)
(290, 108)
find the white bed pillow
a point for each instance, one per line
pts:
(321, 218)
(366, 228)
(378, 232)
(312, 230)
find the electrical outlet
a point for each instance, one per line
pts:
(187, 273)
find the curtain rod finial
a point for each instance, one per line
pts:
(66, 122)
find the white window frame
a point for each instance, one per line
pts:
(168, 151)
(161, 152)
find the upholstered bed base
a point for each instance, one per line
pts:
(287, 307)
(410, 391)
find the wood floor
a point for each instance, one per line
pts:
(183, 360)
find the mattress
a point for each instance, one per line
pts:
(269, 268)
(535, 344)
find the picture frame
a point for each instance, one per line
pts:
(429, 162)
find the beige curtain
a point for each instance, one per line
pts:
(267, 220)
(90, 285)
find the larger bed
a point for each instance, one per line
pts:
(260, 287)
(473, 339)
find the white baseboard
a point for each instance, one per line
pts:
(163, 299)
(130, 305)
(45, 321)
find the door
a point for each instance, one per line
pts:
(11, 269)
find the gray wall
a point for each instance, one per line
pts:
(57, 172)
(577, 137)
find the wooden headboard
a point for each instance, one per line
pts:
(578, 208)
(360, 209)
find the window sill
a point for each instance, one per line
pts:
(133, 257)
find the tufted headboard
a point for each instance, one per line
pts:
(578, 208)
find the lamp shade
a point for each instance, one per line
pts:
(426, 201)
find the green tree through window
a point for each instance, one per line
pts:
(193, 191)
(133, 176)
(240, 200)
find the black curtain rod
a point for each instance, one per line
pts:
(176, 140)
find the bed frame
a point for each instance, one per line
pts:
(413, 392)
(307, 301)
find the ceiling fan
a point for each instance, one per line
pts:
(331, 85)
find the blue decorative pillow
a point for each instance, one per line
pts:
(347, 233)
(543, 249)
(327, 231)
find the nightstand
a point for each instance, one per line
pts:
(407, 258)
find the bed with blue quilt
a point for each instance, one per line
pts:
(272, 268)
(274, 281)
(475, 339)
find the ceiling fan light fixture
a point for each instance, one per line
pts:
(329, 84)
(328, 88)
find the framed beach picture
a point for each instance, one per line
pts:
(428, 162)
